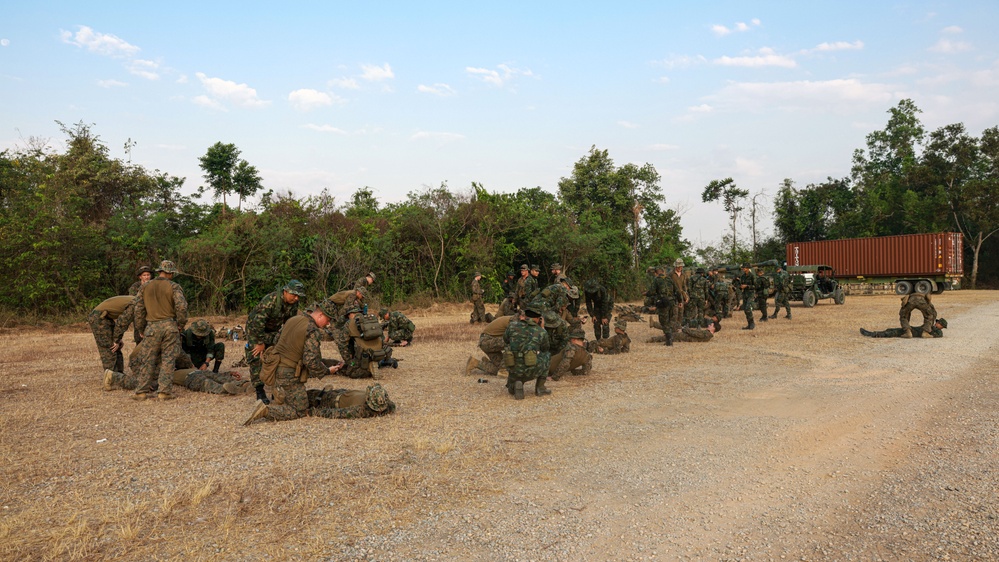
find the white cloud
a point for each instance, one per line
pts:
(111, 84)
(374, 73)
(307, 99)
(952, 29)
(662, 80)
(628, 124)
(344, 83)
(766, 57)
(703, 108)
(324, 128)
(722, 31)
(102, 43)
(840, 46)
(499, 77)
(680, 61)
(182, 79)
(225, 90)
(145, 68)
(841, 95)
(4, 42)
(430, 135)
(205, 101)
(664, 147)
(442, 90)
(948, 47)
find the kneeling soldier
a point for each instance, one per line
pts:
(526, 355)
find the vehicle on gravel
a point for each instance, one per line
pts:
(811, 283)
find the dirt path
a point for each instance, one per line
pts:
(801, 440)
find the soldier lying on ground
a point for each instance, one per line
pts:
(574, 359)
(620, 342)
(191, 379)
(913, 332)
(629, 312)
(350, 404)
(696, 335)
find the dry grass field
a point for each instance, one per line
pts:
(800, 440)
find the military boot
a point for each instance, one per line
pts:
(262, 395)
(867, 333)
(751, 326)
(774, 315)
(906, 333)
(218, 363)
(764, 317)
(788, 315)
(236, 387)
(108, 380)
(518, 390)
(509, 386)
(539, 387)
(259, 411)
(472, 363)
(669, 338)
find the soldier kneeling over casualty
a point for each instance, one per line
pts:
(399, 329)
(526, 354)
(696, 335)
(920, 302)
(574, 359)
(492, 344)
(618, 343)
(199, 346)
(191, 379)
(367, 351)
(913, 332)
(349, 404)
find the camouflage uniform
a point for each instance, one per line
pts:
(160, 314)
(722, 288)
(399, 327)
(748, 278)
(527, 344)
(762, 285)
(558, 331)
(699, 289)
(600, 306)
(492, 344)
(573, 360)
(697, 335)
(341, 403)
(478, 307)
(665, 297)
(298, 347)
(919, 302)
(915, 332)
(618, 343)
(199, 346)
(782, 287)
(103, 321)
(263, 325)
(191, 379)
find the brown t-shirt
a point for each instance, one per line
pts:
(157, 296)
(497, 327)
(291, 344)
(114, 306)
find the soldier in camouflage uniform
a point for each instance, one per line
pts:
(366, 281)
(574, 359)
(680, 284)
(103, 321)
(782, 288)
(600, 306)
(695, 335)
(144, 275)
(492, 344)
(762, 284)
(527, 354)
(478, 307)
(936, 331)
(920, 302)
(340, 403)
(200, 348)
(747, 282)
(160, 314)
(722, 290)
(264, 326)
(400, 328)
(665, 296)
(191, 379)
(524, 285)
(299, 357)
(507, 307)
(618, 343)
(700, 288)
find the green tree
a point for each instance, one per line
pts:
(731, 197)
(226, 173)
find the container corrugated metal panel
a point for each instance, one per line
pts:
(884, 256)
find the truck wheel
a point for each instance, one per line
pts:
(808, 299)
(924, 287)
(839, 297)
(903, 287)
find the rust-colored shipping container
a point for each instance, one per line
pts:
(913, 262)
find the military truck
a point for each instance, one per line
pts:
(810, 283)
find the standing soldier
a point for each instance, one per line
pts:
(526, 354)
(747, 282)
(676, 276)
(722, 290)
(144, 274)
(160, 314)
(264, 325)
(491, 343)
(533, 286)
(700, 288)
(600, 306)
(782, 287)
(664, 297)
(522, 287)
(200, 348)
(103, 320)
(298, 356)
(478, 308)
(762, 292)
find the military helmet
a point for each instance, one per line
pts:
(327, 307)
(377, 398)
(591, 285)
(371, 274)
(511, 273)
(354, 310)
(295, 287)
(143, 269)
(573, 292)
(534, 267)
(660, 267)
(699, 270)
(678, 262)
(201, 328)
(477, 274)
(167, 266)
(943, 323)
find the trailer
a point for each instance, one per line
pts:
(921, 263)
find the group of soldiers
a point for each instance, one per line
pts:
(282, 347)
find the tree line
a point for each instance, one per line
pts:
(76, 223)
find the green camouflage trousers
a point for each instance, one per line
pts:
(103, 329)
(780, 300)
(201, 381)
(748, 306)
(156, 357)
(761, 305)
(254, 363)
(294, 403)
(493, 348)
(669, 317)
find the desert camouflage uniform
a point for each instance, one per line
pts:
(917, 301)
(574, 360)
(157, 356)
(297, 346)
(341, 403)
(618, 343)
(399, 327)
(478, 307)
(103, 321)
(263, 325)
(492, 344)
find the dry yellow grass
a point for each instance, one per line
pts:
(93, 475)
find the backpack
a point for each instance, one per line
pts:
(369, 327)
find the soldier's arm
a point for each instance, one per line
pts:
(312, 358)
(140, 312)
(257, 320)
(180, 306)
(123, 321)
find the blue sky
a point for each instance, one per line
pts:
(403, 95)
